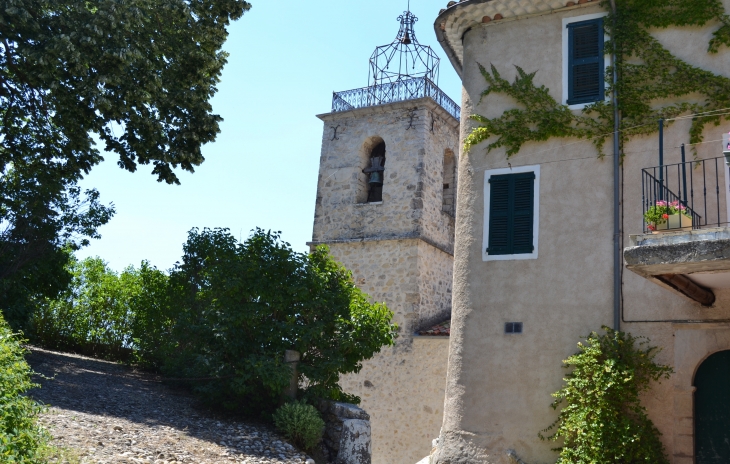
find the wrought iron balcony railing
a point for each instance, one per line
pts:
(693, 187)
(382, 94)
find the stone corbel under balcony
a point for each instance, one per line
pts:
(690, 263)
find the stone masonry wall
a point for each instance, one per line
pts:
(402, 387)
(412, 277)
(435, 276)
(437, 225)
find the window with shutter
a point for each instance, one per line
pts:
(511, 213)
(585, 62)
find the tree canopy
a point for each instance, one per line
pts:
(136, 75)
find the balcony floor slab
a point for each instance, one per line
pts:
(683, 252)
(689, 263)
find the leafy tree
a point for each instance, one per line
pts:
(151, 323)
(136, 75)
(236, 307)
(39, 229)
(602, 419)
(102, 312)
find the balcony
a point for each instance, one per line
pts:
(402, 90)
(685, 245)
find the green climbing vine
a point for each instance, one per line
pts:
(647, 75)
(601, 418)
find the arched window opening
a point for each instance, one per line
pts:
(375, 173)
(449, 196)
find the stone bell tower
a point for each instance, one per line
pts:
(385, 207)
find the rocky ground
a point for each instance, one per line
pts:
(101, 412)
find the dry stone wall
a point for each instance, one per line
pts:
(347, 433)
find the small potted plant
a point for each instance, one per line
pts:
(663, 216)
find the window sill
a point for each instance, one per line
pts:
(522, 256)
(374, 203)
(580, 106)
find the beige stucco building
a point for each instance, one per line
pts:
(385, 207)
(520, 307)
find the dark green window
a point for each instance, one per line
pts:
(585, 62)
(511, 214)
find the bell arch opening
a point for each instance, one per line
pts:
(712, 409)
(370, 184)
(449, 182)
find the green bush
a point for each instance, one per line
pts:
(300, 423)
(103, 313)
(602, 419)
(235, 308)
(21, 436)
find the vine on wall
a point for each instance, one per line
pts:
(602, 419)
(647, 75)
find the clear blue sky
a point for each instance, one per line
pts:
(286, 58)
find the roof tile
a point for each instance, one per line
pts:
(439, 330)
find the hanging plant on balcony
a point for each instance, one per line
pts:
(667, 215)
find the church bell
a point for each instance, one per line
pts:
(376, 178)
(375, 171)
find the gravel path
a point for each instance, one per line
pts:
(106, 413)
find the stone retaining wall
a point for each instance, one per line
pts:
(347, 437)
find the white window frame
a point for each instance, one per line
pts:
(727, 190)
(536, 213)
(606, 58)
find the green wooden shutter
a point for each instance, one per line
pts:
(585, 62)
(524, 185)
(499, 216)
(511, 214)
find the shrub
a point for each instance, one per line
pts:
(300, 423)
(235, 309)
(602, 419)
(21, 436)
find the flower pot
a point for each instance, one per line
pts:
(675, 222)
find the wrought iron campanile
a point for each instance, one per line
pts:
(402, 70)
(404, 58)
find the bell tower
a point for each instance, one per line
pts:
(386, 208)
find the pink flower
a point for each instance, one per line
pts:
(661, 203)
(674, 203)
(651, 227)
